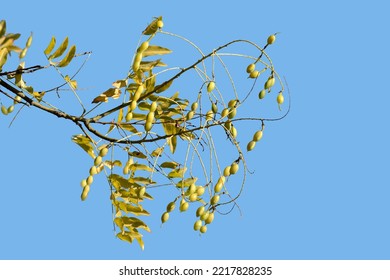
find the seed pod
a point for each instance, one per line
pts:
(194, 106)
(228, 124)
(251, 145)
(150, 117)
(136, 64)
(209, 219)
(250, 68)
(214, 200)
(160, 23)
(164, 217)
(197, 225)
(98, 160)
(143, 47)
(129, 116)
(17, 99)
(142, 192)
(254, 74)
(153, 106)
(232, 113)
(258, 135)
(184, 206)
(103, 152)
(89, 180)
(214, 108)
(209, 115)
(280, 98)
(271, 39)
(218, 187)
(190, 115)
(4, 110)
(224, 112)
(233, 131)
(148, 126)
(262, 94)
(138, 92)
(192, 189)
(10, 109)
(93, 171)
(234, 168)
(200, 211)
(232, 103)
(226, 171)
(205, 215)
(171, 206)
(203, 229)
(85, 192)
(193, 197)
(133, 105)
(83, 183)
(210, 86)
(200, 190)
(126, 169)
(269, 83)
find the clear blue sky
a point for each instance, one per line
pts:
(321, 186)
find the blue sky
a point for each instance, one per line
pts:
(320, 188)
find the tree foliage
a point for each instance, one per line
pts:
(151, 135)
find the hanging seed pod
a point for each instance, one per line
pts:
(194, 106)
(164, 217)
(258, 135)
(197, 225)
(271, 39)
(251, 145)
(262, 94)
(200, 211)
(250, 68)
(269, 83)
(214, 200)
(171, 206)
(254, 74)
(234, 168)
(209, 219)
(210, 86)
(224, 112)
(203, 229)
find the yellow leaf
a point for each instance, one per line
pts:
(51, 46)
(85, 143)
(61, 49)
(68, 58)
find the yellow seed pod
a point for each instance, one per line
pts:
(269, 83)
(98, 160)
(271, 39)
(150, 117)
(205, 215)
(126, 169)
(129, 116)
(148, 126)
(138, 92)
(214, 108)
(200, 211)
(209, 219)
(17, 99)
(234, 168)
(210, 86)
(228, 124)
(160, 23)
(93, 171)
(4, 110)
(136, 65)
(192, 189)
(218, 187)
(85, 192)
(103, 152)
(280, 98)
(226, 171)
(258, 135)
(203, 229)
(197, 225)
(190, 115)
(233, 131)
(222, 179)
(153, 106)
(184, 206)
(214, 200)
(171, 206)
(143, 47)
(251, 67)
(164, 217)
(262, 94)
(232, 113)
(194, 106)
(200, 190)
(10, 109)
(251, 145)
(193, 197)
(224, 112)
(254, 74)
(209, 115)
(232, 103)
(133, 105)
(83, 183)
(89, 180)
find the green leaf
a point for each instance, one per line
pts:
(85, 143)
(163, 87)
(169, 164)
(61, 49)
(51, 46)
(68, 58)
(169, 128)
(128, 127)
(144, 106)
(177, 173)
(155, 50)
